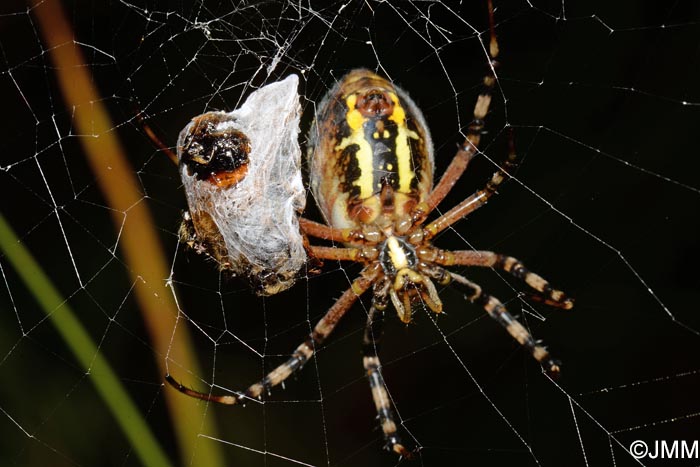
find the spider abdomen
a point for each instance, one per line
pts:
(368, 134)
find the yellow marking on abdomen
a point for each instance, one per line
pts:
(363, 154)
(403, 149)
(353, 117)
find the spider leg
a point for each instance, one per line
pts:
(512, 266)
(479, 198)
(372, 365)
(326, 232)
(344, 254)
(302, 353)
(155, 139)
(469, 148)
(498, 311)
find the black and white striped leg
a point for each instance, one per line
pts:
(480, 197)
(549, 295)
(372, 365)
(475, 129)
(301, 355)
(513, 266)
(498, 311)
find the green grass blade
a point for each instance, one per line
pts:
(83, 347)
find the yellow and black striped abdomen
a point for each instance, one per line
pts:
(368, 134)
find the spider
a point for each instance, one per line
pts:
(371, 172)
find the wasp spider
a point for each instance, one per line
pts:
(371, 169)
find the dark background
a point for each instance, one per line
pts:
(604, 100)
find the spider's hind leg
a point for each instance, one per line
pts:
(151, 134)
(470, 147)
(480, 197)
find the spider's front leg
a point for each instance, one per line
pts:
(498, 311)
(513, 266)
(372, 365)
(302, 353)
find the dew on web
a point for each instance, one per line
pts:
(602, 99)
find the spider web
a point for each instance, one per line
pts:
(603, 97)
